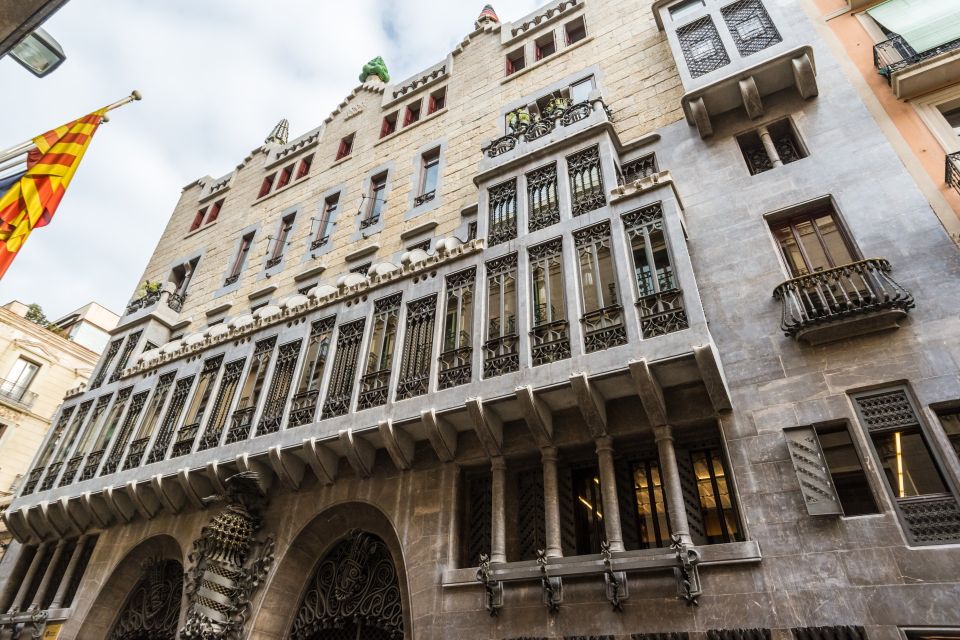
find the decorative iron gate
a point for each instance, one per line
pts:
(153, 608)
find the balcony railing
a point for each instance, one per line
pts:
(31, 482)
(603, 328)
(455, 367)
(527, 129)
(952, 171)
(146, 300)
(138, 447)
(240, 426)
(16, 393)
(931, 519)
(374, 388)
(895, 54)
(841, 302)
(303, 407)
(185, 437)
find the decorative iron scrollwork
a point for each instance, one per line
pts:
(503, 213)
(355, 587)
(586, 181)
(615, 581)
(552, 585)
(493, 588)
(344, 369)
(153, 608)
(687, 572)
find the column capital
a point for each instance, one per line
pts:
(604, 443)
(548, 454)
(498, 463)
(663, 432)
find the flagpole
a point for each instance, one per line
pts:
(24, 147)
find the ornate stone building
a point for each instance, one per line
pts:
(622, 321)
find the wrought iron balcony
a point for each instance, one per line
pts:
(550, 342)
(185, 437)
(31, 482)
(603, 328)
(148, 299)
(137, 448)
(424, 198)
(952, 170)
(501, 355)
(90, 467)
(662, 313)
(53, 470)
(845, 301)
(319, 242)
(374, 388)
(240, 426)
(175, 301)
(16, 394)
(303, 407)
(527, 129)
(455, 365)
(932, 518)
(895, 54)
(369, 221)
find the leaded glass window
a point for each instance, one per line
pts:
(503, 213)
(550, 335)
(375, 382)
(502, 344)
(303, 406)
(586, 181)
(455, 359)
(543, 208)
(344, 371)
(602, 310)
(417, 348)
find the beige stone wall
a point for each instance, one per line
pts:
(636, 74)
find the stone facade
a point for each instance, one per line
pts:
(502, 435)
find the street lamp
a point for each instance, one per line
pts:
(39, 53)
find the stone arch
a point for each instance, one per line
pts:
(322, 537)
(131, 574)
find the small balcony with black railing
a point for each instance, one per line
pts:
(15, 395)
(842, 302)
(910, 72)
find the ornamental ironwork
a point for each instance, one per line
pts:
(70, 472)
(702, 48)
(662, 313)
(501, 350)
(218, 413)
(90, 464)
(751, 26)
(272, 417)
(148, 299)
(896, 53)
(375, 383)
(126, 429)
(845, 632)
(637, 169)
(603, 329)
(354, 593)
(34, 477)
(128, 348)
(170, 420)
(813, 474)
(527, 127)
(543, 207)
(344, 370)
(503, 213)
(153, 608)
(738, 634)
(53, 470)
(228, 563)
(886, 411)
(550, 337)
(586, 181)
(303, 405)
(138, 446)
(417, 348)
(455, 359)
(175, 301)
(838, 294)
(477, 517)
(112, 352)
(602, 326)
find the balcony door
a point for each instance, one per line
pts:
(19, 379)
(813, 242)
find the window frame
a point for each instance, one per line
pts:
(266, 186)
(546, 41)
(346, 146)
(811, 214)
(413, 112)
(390, 124)
(512, 58)
(567, 29)
(429, 159)
(331, 204)
(282, 239)
(240, 258)
(432, 104)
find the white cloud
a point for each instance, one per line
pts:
(216, 75)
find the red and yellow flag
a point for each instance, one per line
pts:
(32, 200)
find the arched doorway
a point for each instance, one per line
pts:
(354, 594)
(152, 609)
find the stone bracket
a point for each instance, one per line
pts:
(751, 97)
(95, 505)
(399, 444)
(713, 379)
(323, 462)
(120, 503)
(288, 467)
(264, 475)
(650, 392)
(537, 415)
(442, 435)
(143, 499)
(359, 452)
(189, 491)
(169, 493)
(487, 425)
(592, 405)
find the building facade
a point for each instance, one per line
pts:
(40, 367)
(592, 329)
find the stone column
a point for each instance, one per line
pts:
(498, 508)
(61, 594)
(8, 590)
(770, 148)
(608, 490)
(18, 601)
(551, 503)
(670, 477)
(41, 593)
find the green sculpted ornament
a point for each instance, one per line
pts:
(376, 67)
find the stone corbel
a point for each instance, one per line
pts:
(120, 503)
(185, 476)
(701, 117)
(399, 444)
(168, 492)
(143, 499)
(487, 425)
(288, 467)
(751, 97)
(19, 526)
(592, 405)
(709, 365)
(264, 475)
(323, 462)
(441, 434)
(217, 477)
(55, 519)
(358, 452)
(537, 415)
(650, 392)
(804, 76)
(75, 513)
(96, 506)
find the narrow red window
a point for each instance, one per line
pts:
(304, 167)
(389, 125)
(285, 176)
(267, 184)
(198, 219)
(214, 211)
(438, 100)
(346, 146)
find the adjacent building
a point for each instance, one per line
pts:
(40, 366)
(624, 320)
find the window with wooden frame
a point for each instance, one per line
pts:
(304, 167)
(515, 61)
(325, 224)
(412, 113)
(429, 174)
(813, 241)
(389, 124)
(281, 241)
(214, 212)
(285, 176)
(266, 185)
(346, 146)
(438, 100)
(198, 219)
(575, 30)
(378, 187)
(544, 46)
(242, 251)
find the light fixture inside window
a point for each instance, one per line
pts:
(39, 53)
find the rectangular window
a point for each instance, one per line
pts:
(133, 339)
(456, 358)
(375, 382)
(550, 338)
(438, 100)
(180, 276)
(782, 146)
(344, 369)
(412, 113)
(389, 125)
(281, 241)
(580, 90)
(362, 269)
(501, 347)
(19, 379)
(685, 8)
(327, 217)
(575, 30)
(702, 47)
(303, 406)
(201, 396)
(304, 167)
(602, 312)
(417, 348)
(586, 181)
(286, 174)
(515, 61)
(221, 404)
(214, 212)
(846, 470)
(272, 416)
(346, 146)
(812, 242)
(588, 510)
(716, 506)
(250, 391)
(198, 219)
(476, 516)
(750, 25)
(421, 246)
(138, 446)
(503, 212)
(429, 173)
(543, 206)
(266, 185)
(177, 402)
(376, 199)
(544, 46)
(638, 169)
(241, 257)
(652, 517)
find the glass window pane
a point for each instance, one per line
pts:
(811, 246)
(791, 252)
(907, 464)
(580, 91)
(846, 471)
(642, 265)
(494, 329)
(716, 505)
(588, 511)
(662, 260)
(608, 280)
(510, 305)
(834, 240)
(557, 311)
(651, 506)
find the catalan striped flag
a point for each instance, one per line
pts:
(29, 200)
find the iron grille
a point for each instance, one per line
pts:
(170, 420)
(111, 354)
(830, 633)
(530, 513)
(751, 26)
(417, 348)
(128, 348)
(120, 442)
(637, 169)
(702, 48)
(375, 383)
(344, 369)
(586, 181)
(503, 213)
(543, 206)
(272, 417)
(218, 414)
(477, 518)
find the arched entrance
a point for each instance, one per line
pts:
(152, 609)
(354, 594)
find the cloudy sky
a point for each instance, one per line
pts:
(216, 75)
